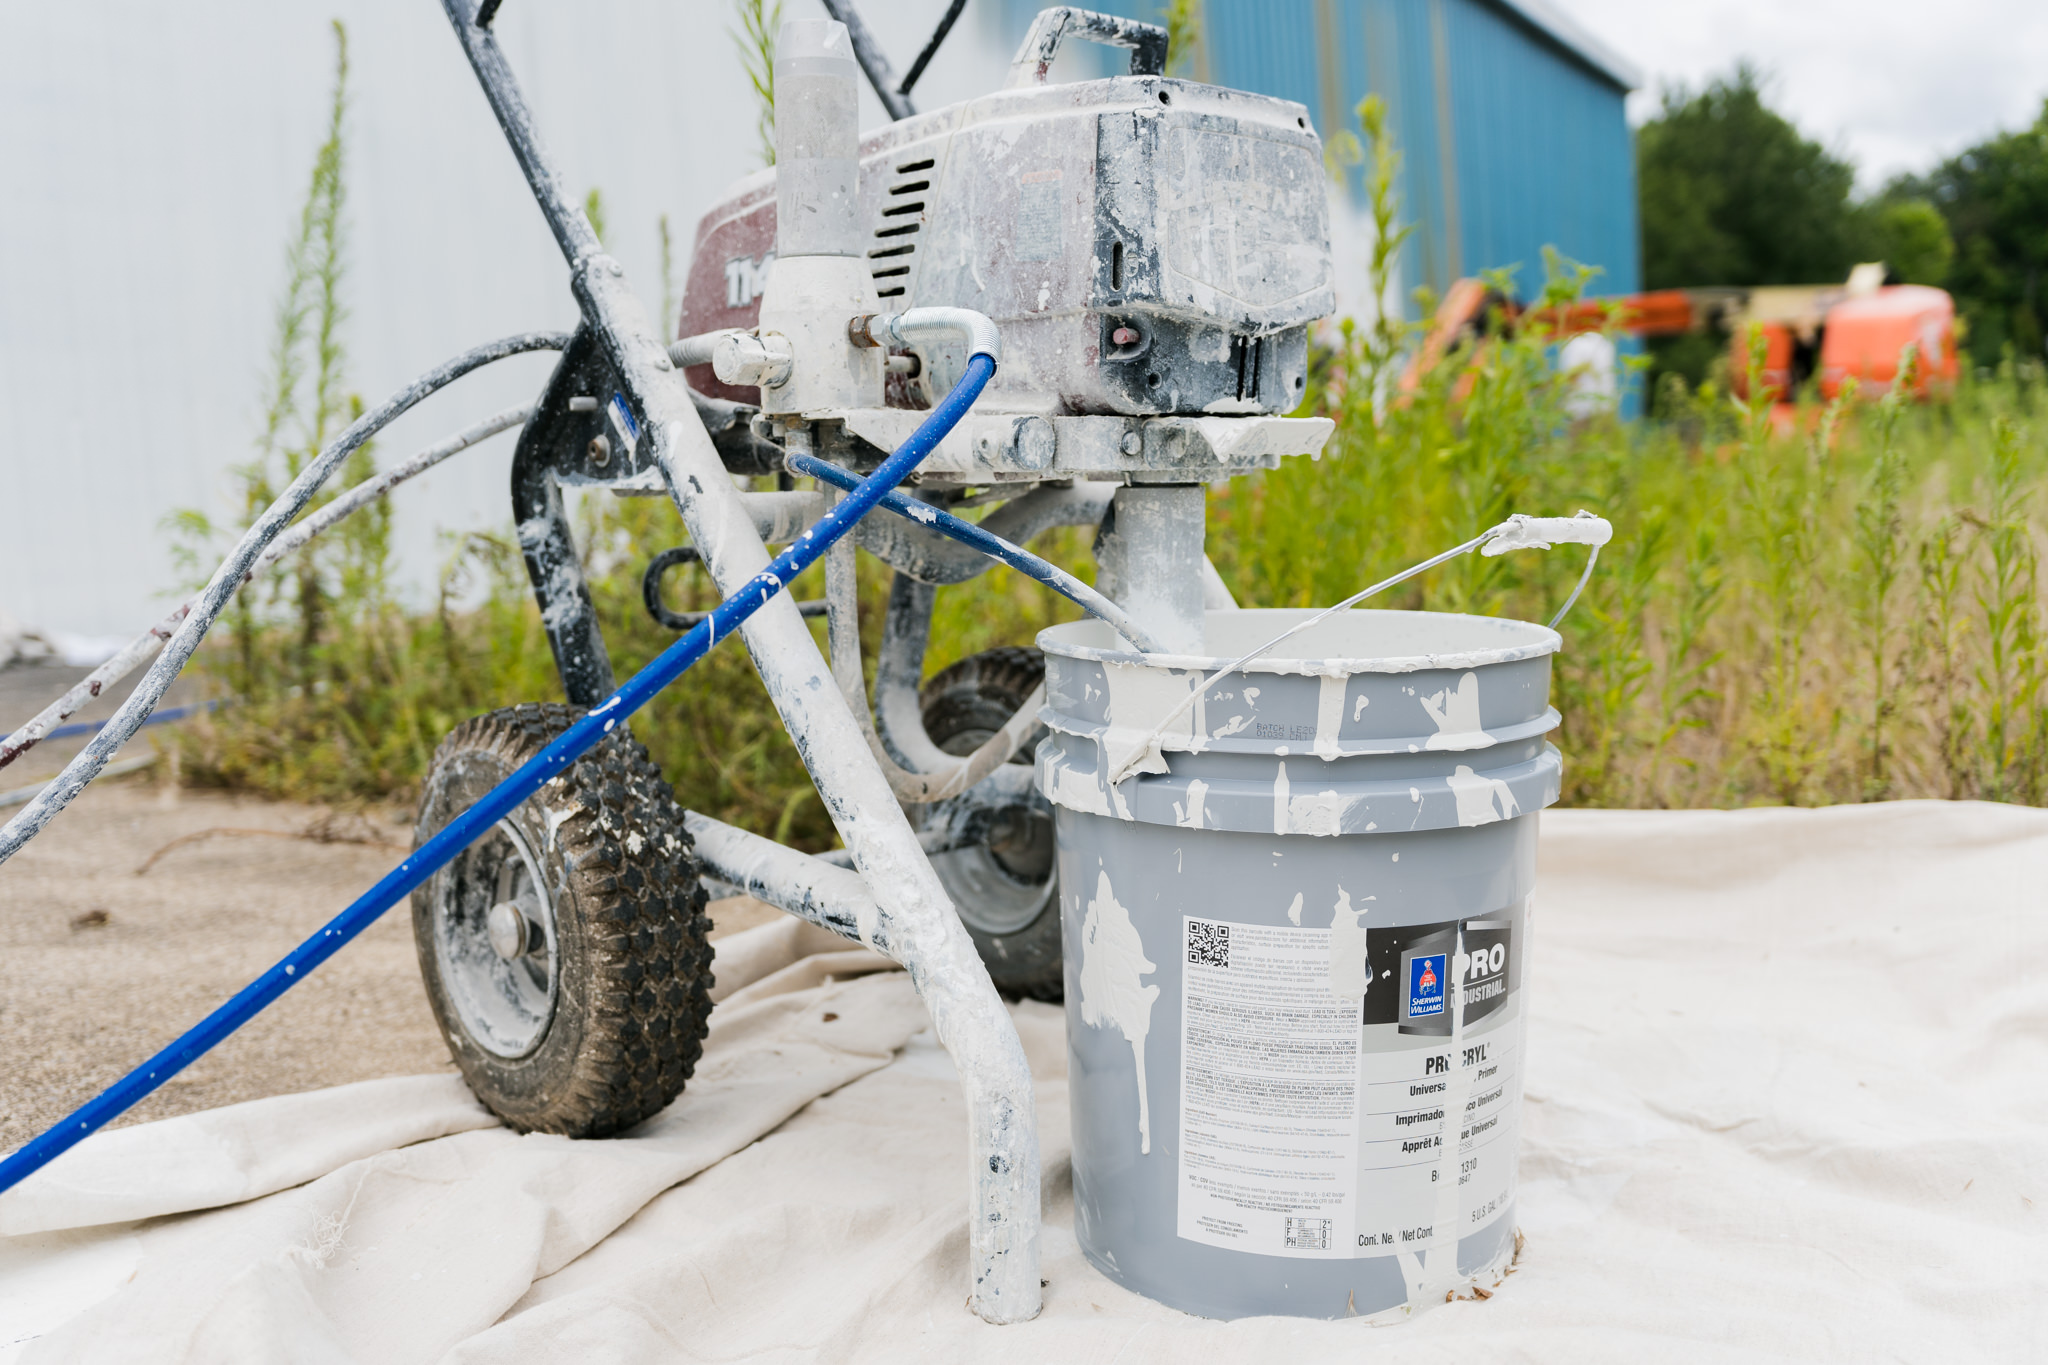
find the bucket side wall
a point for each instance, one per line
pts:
(1126, 1198)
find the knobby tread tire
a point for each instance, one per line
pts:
(980, 693)
(633, 966)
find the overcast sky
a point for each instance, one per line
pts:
(1896, 85)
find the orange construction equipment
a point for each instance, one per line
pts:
(1865, 336)
(1857, 329)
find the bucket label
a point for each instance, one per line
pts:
(1314, 1124)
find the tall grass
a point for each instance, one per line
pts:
(1185, 55)
(1814, 603)
(1821, 602)
(1841, 611)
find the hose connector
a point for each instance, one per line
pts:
(697, 350)
(920, 324)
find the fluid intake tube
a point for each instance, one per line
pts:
(817, 140)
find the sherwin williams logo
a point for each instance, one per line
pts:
(1425, 985)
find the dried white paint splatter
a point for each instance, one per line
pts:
(1481, 800)
(1232, 726)
(1329, 714)
(1138, 697)
(1190, 815)
(1294, 910)
(1350, 973)
(1318, 813)
(556, 817)
(1076, 791)
(1456, 714)
(1112, 960)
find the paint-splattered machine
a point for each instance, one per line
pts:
(1151, 253)
(1134, 262)
(1069, 305)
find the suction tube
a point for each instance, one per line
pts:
(995, 547)
(457, 835)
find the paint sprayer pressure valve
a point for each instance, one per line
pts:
(752, 362)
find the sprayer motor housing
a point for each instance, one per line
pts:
(1148, 247)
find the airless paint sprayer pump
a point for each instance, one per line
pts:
(1278, 864)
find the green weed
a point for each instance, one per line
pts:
(760, 22)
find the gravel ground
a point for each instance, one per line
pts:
(101, 965)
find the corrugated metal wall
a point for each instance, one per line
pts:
(1511, 141)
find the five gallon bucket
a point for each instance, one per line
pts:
(1295, 942)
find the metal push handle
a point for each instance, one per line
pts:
(1147, 42)
(894, 94)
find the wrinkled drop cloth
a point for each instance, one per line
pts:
(1786, 1099)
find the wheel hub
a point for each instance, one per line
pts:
(507, 929)
(1002, 881)
(494, 931)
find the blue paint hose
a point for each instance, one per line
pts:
(457, 835)
(159, 717)
(994, 546)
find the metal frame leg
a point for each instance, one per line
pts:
(911, 913)
(546, 541)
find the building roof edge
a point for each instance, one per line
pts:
(1569, 34)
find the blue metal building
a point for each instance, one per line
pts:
(1508, 116)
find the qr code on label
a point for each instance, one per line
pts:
(1208, 944)
(1308, 1234)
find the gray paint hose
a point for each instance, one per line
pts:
(142, 646)
(231, 574)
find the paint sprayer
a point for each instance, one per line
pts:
(1061, 305)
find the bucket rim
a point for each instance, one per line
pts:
(1543, 641)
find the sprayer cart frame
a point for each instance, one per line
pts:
(564, 952)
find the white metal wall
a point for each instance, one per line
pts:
(153, 158)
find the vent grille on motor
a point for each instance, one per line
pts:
(896, 235)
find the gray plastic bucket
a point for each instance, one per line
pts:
(1270, 1047)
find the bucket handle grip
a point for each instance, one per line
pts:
(1521, 532)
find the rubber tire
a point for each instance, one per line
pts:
(963, 705)
(633, 973)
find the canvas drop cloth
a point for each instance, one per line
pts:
(1787, 1094)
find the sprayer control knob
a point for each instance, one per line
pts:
(752, 362)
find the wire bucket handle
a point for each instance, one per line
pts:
(1518, 532)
